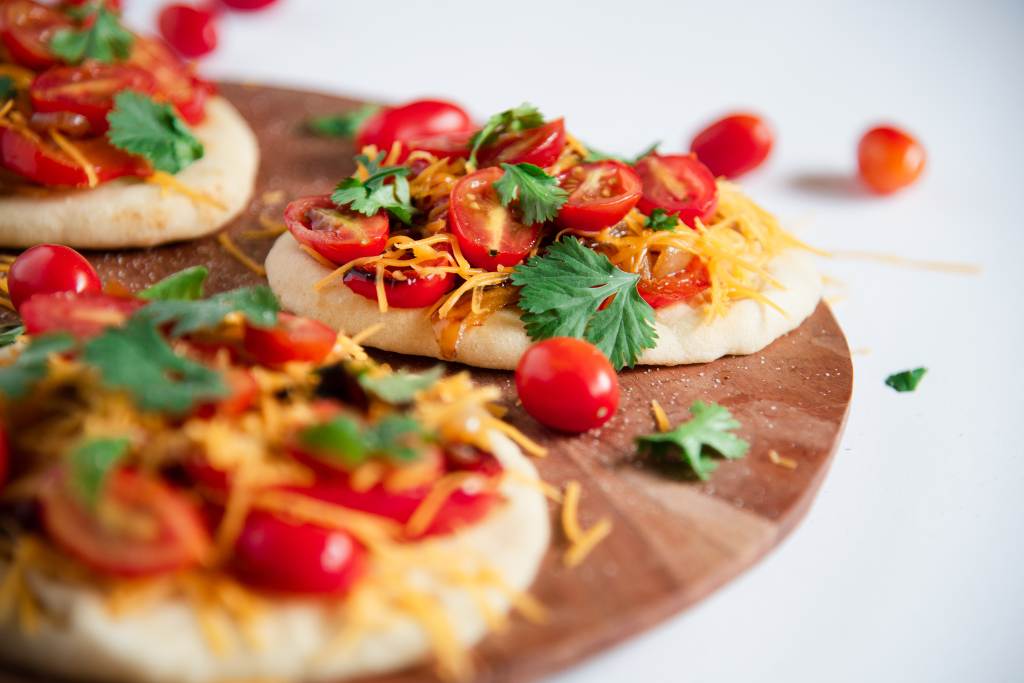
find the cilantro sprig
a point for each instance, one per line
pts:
(523, 117)
(401, 386)
(344, 439)
(373, 194)
(10, 333)
(344, 125)
(710, 427)
(539, 195)
(906, 380)
(562, 293)
(258, 305)
(185, 285)
(105, 40)
(140, 125)
(660, 219)
(91, 464)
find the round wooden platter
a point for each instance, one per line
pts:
(675, 539)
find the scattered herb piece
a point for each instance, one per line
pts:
(395, 437)
(523, 117)
(257, 304)
(92, 462)
(7, 89)
(18, 378)
(595, 155)
(399, 387)
(10, 333)
(104, 40)
(153, 130)
(185, 285)
(539, 195)
(342, 438)
(660, 219)
(339, 438)
(373, 194)
(906, 380)
(562, 293)
(344, 125)
(710, 426)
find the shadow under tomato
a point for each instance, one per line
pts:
(831, 184)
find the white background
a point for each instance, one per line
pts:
(909, 566)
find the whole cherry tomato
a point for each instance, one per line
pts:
(600, 194)
(339, 235)
(734, 145)
(889, 159)
(293, 339)
(415, 120)
(679, 184)
(50, 269)
(567, 384)
(192, 31)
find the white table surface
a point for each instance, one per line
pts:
(908, 567)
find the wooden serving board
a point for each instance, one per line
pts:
(675, 539)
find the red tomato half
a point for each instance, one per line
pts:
(87, 90)
(567, 384)
(294, 339)
(675, 287)
(489, 234)
(889, 159)
(415, 120)
(450, 145)
(403, 287)
(600, 194)
(26, 29)
(50, 269)
(540, 146)
(174, 80)
(81, 315)
(733, 145)
(192, 31)
(339, 235)
(42, 162)
(169, 536)
(679, 184)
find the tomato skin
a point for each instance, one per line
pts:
(294, 339)
(675, 288)
(539, 146)
(248, 5)
(173, 78)
(181, 541)
(87, 90)
(192, 31)
(734, 145)
(567, 384)
(49, 269)
(414, 120)
(83, 316)
(45, 164)
(414, 291)
(588, 208)
(446, 145)
(470, 209)
(361, 236)
(26, 29)
(889, 159)
(678, 183)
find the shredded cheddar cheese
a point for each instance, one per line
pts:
(777, 459)
(77, 156)
(581, 543)
(233, 249)
(660, 417)
(168, 183)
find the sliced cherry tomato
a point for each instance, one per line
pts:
(339, 235)
(889, 159)
(26, 29)
(403, 287)
(540, 146)
(50, 269)
(248, 5)
(415, 120)
(489, 234)
(81, 315)
(567, 384)
(448, 145)
(600, 194)
(154, 529)
(173, 78)
(677, 287)
(41, 161)
(734, 145)
(190, 30)
(678, 184)
(87, 90)
(294, 339)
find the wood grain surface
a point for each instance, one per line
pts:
(675, 539)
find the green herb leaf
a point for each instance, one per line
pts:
(340, 438)
(137, 359)
(906, 380)
(257, 304)
(400, 387)
(153, 130)
(660, 219)
(563, 290)
(523, 117)
(596, 155)
(710, 426)
(539, 195)
(92, 462)
(373, 194)
(106, 40)
(7, 89)
(185, 285)
(10, 333)
(344, 125)
(18, 378)
(398, 437)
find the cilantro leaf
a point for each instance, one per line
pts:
(906, 380)
(342, 438)
(344, 125)
(257, 304)
(10, 333)
(539, 195)
(136, 358)
(184, 285)
(710, 426)
(339, 438)
(151, 129)
(660, 219)
(7, 89)
(523, 117)
(596, 155)
(18, 378)
(396, 437)
(373, 194)
(91, 465)
(562, 293)
(401, 386)
(106, 40)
